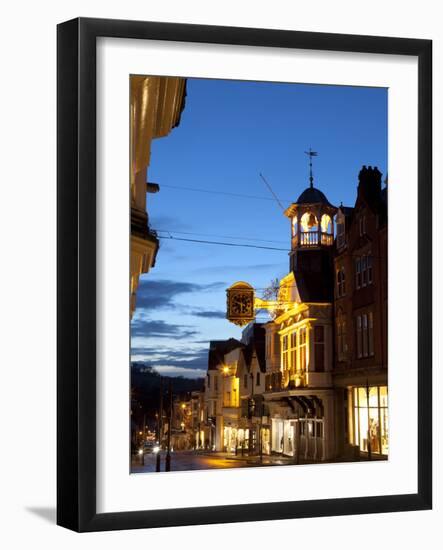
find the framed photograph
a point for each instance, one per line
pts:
(244, 274)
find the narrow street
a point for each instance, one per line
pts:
(195, 460)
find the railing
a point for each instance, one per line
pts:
(327, 239)
(311, 239)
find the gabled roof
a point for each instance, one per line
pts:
(255, 343)
(347, 210)
(218, 349)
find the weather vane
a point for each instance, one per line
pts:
(311, 154)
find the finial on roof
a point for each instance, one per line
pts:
(311, 154)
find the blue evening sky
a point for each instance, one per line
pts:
(229, 132)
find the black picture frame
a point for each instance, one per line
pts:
(76, 265)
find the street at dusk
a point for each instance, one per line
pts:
(258, 297)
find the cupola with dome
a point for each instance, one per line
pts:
(312, 222)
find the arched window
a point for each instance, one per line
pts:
(309, 222)
(309, 230)
(326, 224)
(294, 226)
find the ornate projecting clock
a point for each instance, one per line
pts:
(240, 303)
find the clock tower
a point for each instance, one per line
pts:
(312, 238)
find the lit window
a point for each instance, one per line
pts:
(284, 349)
(326, 224)
(308, 221)
(371, 422)
(302, 349)
(293, 351)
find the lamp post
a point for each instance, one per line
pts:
(168, 453)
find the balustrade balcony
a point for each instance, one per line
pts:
(310, 239)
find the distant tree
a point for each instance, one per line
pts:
(145, 391)
(273, 292)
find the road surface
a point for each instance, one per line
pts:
(191, 460)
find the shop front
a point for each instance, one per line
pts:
(240, 440)
(266, 440)
(298, 437)
(370, 419)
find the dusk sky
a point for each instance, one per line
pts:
(230, 131)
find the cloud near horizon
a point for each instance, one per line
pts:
(167, 370)
(160, 293)
(185, 362)
(147, 328)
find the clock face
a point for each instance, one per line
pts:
(241, 304)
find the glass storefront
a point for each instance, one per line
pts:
(266, 441)
(277, 435)
(230, 439)
(308, 442)
(371, 419)
(240, 440)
